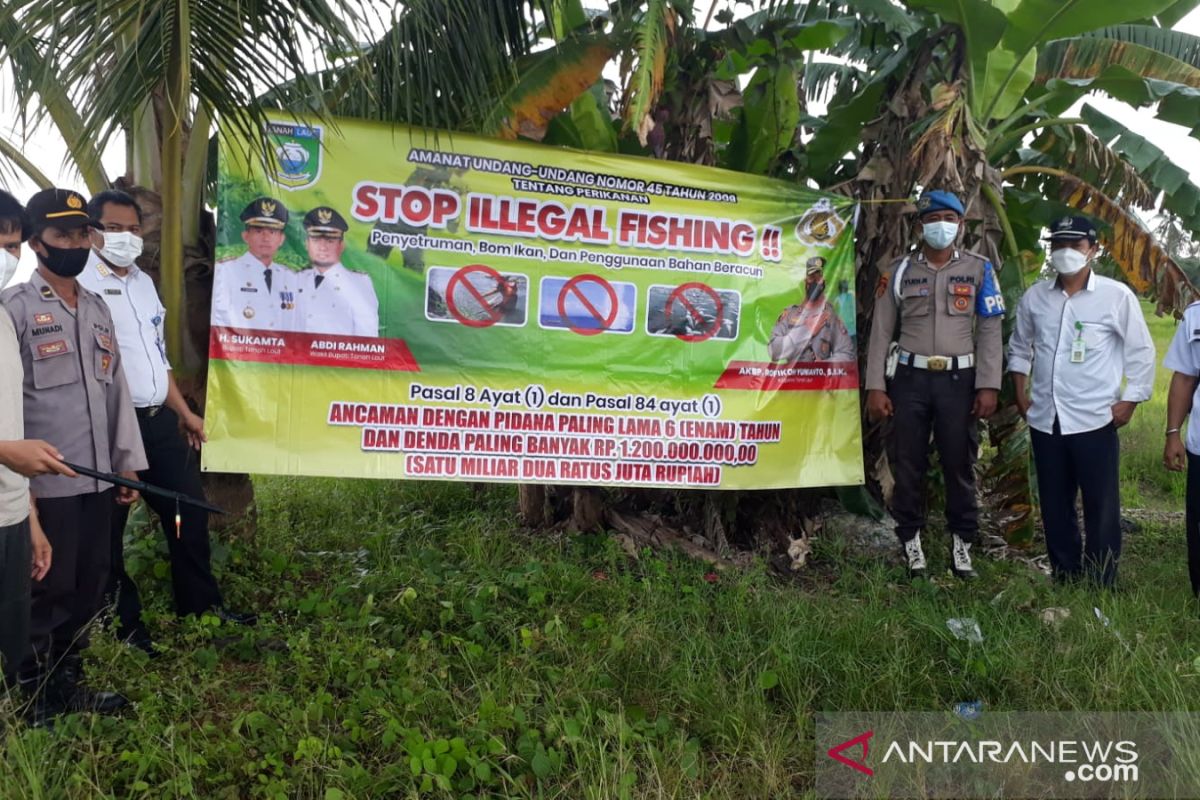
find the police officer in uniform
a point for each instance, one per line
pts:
(76, 398)
(812, 330)
(252, 291)
(139, 319)
(948, 309)
(333, 299)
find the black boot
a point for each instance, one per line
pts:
(42, 702)
(76, 697)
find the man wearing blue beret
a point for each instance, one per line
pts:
(942, 309)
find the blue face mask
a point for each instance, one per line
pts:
(940, 235)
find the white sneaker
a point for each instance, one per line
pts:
(960, 554)
(914, 555)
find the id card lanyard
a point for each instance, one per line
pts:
(1078, 348)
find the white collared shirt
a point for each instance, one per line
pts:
(1183, 357)
(241, 297)
(138, 316)
(345, 303)
(1117, 345)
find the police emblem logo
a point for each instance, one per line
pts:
(47, 293)
(820, 226)
(74, 202)
(1065, 224)
(105, 362)
(924, 202)
(43, 319)
(297, 154)
(961, 302)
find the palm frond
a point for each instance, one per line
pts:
(646, 81)
(1146, 51)
(549, 81)
(1083, 155)
(1146, 265)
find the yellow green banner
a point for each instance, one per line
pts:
(401, 303)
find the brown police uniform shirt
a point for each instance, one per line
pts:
(75, 395)
(937, 313)
(807, 333)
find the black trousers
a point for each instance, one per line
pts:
(1070, 465)
(939, 403)
(65, 602)
(172, 465)
(1193, 521)
(16, 559)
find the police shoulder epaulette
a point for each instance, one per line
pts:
(973, 254)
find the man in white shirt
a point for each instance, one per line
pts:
(331, 298)
(1183, 398)
(162, 412)
(1081, 335)
(25, 553)
(252, 291)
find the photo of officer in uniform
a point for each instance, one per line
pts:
(812, 330)
(252, 290)
(331, 298)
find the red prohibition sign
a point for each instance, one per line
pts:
(694, 312)
(573, 287)
(493, 316)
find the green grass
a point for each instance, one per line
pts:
(1144, 482)
(435, 650)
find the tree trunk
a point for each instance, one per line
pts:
(531, 500)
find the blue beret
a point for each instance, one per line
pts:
(938, 200)
(1072, 229)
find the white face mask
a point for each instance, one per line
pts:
(940, 235)
(8, 267)
(121, 249)
(1067, 261)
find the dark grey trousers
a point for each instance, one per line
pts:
(939, 403)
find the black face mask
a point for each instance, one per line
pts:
(65, 262)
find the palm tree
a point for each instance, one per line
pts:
(165, 73)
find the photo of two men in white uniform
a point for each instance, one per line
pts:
(253, 291)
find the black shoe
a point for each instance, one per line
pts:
(140, 638)
(235, 617)
(74, 696)
(42, 704)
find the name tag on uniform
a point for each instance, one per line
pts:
(112, 291)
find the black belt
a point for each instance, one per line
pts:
(148, 411)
